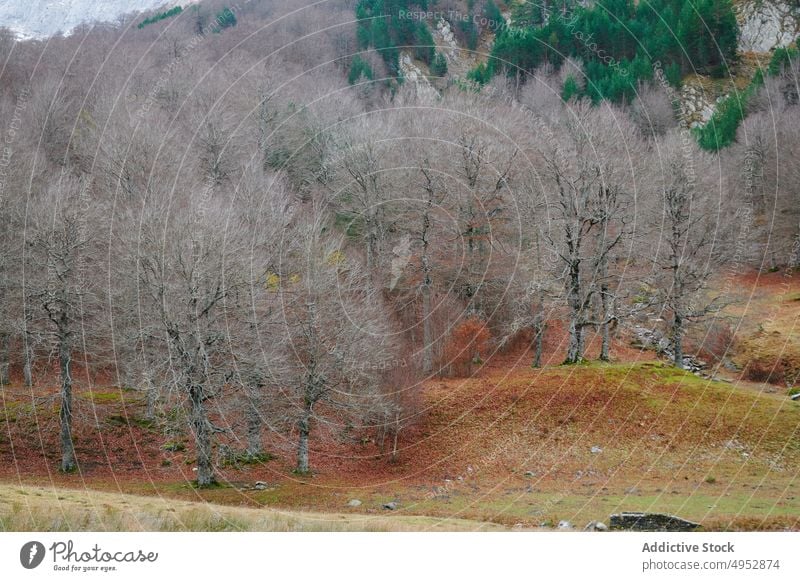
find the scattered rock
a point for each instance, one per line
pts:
(644, 521)
(596, 525)
(734, 445)
(390, 506)
(565, 525)
(440, 493)
(655, 340)
(729, 365)
(354, 503)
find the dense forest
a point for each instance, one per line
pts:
(250, 215)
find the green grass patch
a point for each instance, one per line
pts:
(102, 397)
(14, 410)
(174, 447)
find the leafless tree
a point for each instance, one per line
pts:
(693, 245)
(529, 291)
(364, 190)
(336, 333)
(585, 177)
(483, 172)
(266, 215)
(432, 198)
(192, 270)
(62, 251)
(653, 111)
(6, 290)
(766, 183)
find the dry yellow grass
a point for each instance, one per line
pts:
(28, 508)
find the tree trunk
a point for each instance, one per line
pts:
(396, 435)
(575, 348)
(677, 340)
(303, 426)
(539, 323)
(538, 343)
(202, 437)
(65, 414)
(151, 397)
(150, 410)
(5, 359)
(605, 345)
(263, 129)
(254, 447)
(372, 251)
(27, 366)
(427, 330)
(312, 391)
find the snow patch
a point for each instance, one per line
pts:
(43, 18)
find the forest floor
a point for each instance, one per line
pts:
(510, 447)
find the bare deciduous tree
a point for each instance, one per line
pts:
(192, 268)
(693, 241)
(585, 172)
(62, 227)
(337, 336)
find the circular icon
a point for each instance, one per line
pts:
(31, 554)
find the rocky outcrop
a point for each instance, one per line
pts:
(446, 40)
(413, 74)
(764, 25)
(645, 521)
(767, 24)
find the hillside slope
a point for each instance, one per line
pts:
(512, 446)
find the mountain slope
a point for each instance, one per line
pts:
(43, 18)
